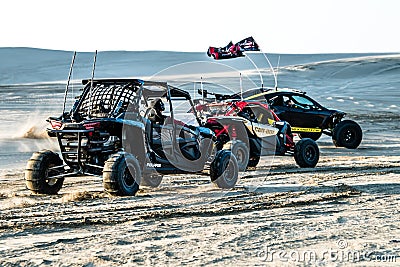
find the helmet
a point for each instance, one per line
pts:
(157, 104)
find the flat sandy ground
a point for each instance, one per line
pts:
(346, 210)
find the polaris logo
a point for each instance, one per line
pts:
(153, 165)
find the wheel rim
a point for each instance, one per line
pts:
(129, 180)
(310, 153)
(240, 156)
(229, 174)
(50, 181)
(349, 136)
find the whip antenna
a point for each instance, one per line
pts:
(272, 68)
(259, 72)
(194, 91)
(69, 78)
(202, 89)
(91, 82)
(241, 87)
(276, 75)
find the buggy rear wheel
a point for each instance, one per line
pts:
(347, 134)
(306, 153)
(121, 175)
(40, 169)
(224, 169)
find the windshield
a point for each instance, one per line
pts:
(302, 100)
(213, 110)
(183, 111)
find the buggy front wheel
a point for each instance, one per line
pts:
(224, 169)
(121, 175)
(347, 134)
(306, 153)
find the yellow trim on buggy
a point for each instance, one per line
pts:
(254, 96)
(306, 130)
(270, 122)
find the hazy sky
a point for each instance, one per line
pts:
(279, 26)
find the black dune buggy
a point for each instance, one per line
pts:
(306, 116)
(110, 132)
(251, 130)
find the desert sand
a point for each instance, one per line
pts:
(346, 210)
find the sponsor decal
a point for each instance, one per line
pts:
(264, 131)
(306, 130)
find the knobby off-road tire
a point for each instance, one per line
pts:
(313, 136)
(347, 134)
(253, 161)
(153, 180)
(38, 173)
(121, 175)
(242, 154)
(306, 153)
(224, 170)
